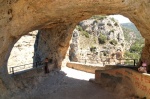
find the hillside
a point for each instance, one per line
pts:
(96, 38)
(92, 39)
(100, 36)
(131, 27)
(136, 41)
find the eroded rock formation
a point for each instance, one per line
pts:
(96, 39)
(53, 43)
(18, 17)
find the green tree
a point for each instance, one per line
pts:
(93, 49)
(116, 24)
(102, 39)
(79, 28)
(99, 17)
(86, 34)
(113, 42)
(136, 47)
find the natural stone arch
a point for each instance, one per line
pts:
(18, 17)
(53, 43)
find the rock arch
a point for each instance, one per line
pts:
(59, 18)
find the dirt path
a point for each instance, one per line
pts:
(69, 84)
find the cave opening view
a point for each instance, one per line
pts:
(98, 45)
(99, 41)
(104, 40)
(75, 49)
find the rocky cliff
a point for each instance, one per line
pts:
(19, 17)
(99, 34)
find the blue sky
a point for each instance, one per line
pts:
(121, 18)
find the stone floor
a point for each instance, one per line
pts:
(68, 84)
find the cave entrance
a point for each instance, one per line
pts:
(22, 54)
(94, 41)
(106, 40)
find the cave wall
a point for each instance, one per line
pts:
(18, 17)
(53, 43)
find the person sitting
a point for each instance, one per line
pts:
(142, 68)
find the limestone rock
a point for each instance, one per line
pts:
(87, 34)
(18, 17)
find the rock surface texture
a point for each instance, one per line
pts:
(94, 37)
(57, 19)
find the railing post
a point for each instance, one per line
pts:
(12, 70)
(36, 64)
(134, 62)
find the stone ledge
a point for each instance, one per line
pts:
(90, 68)
(133, 80)
(84, 67)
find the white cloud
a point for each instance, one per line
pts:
(121, 18)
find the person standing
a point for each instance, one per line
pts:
(46, 66)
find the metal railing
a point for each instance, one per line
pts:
(125, 62)
(19, 68)
(129, 61)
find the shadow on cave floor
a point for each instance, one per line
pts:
(68, 84)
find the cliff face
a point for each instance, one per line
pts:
(18, 17)
(103, 34)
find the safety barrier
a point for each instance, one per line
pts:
(19, 68)
(122, 61)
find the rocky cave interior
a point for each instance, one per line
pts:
(43, 36)
(56, 23)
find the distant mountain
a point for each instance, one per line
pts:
(132, 28)
(129, 26)
(135, 41)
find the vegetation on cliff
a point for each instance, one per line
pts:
(133, 36)
(107, 35)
